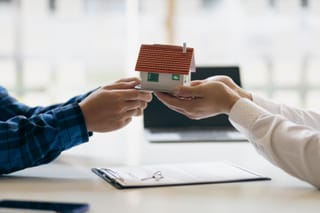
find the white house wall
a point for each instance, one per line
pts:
(165, 82)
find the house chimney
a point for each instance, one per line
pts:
(184, 49)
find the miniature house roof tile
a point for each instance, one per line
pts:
(164, 59)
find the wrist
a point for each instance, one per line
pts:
(233, 98)
(244, 94)
(229, 98)
(84, 111)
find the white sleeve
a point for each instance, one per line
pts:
(298, 116)
(293, 147)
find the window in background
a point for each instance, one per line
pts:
(7, 64)
(275, 42)
(7, 73)
(61, 48)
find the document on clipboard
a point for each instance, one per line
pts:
(123, 177)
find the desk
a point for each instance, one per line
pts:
(69, 179)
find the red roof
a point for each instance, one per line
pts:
(164, 59)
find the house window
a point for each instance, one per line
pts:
(175, 77)
(153, 77)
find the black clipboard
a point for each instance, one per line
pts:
(107, 177)
(113, 176)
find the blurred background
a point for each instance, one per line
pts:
(51, 50)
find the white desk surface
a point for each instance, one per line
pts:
(69, 179)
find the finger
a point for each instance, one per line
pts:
(130, 113)
(130, 105)
(139, 112)
(215, 77)
(122, 85)
(135, 79)
(127, 121)
(144, 106)
(222, 78)
(132, 94)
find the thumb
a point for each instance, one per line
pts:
(128, 80)
(195, 83)
(122, 85)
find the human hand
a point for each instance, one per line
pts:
(112, 107)
(202, 99)
(232, 85)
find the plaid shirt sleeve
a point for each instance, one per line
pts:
(35, 136)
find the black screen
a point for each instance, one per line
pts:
(158, 115)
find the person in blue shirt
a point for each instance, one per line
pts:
(31, 136)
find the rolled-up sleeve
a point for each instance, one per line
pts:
(27, 142)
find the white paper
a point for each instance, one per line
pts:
(184, 173)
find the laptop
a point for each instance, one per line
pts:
(162, 124)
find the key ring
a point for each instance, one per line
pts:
(156, 176)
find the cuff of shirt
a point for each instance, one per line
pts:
(73, 129)
(244, 113)
(245, 116)
(266, 104)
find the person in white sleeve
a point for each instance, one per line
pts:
(286, 136)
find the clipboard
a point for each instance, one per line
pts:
(160, 175)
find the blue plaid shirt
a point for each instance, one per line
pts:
(30, 136)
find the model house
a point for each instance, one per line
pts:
(164, 67)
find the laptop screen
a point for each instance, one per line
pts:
(157, 115)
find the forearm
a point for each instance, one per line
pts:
(38, 109)
(298, 116)
(292, 147)
(11, 107)
(27, 142)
